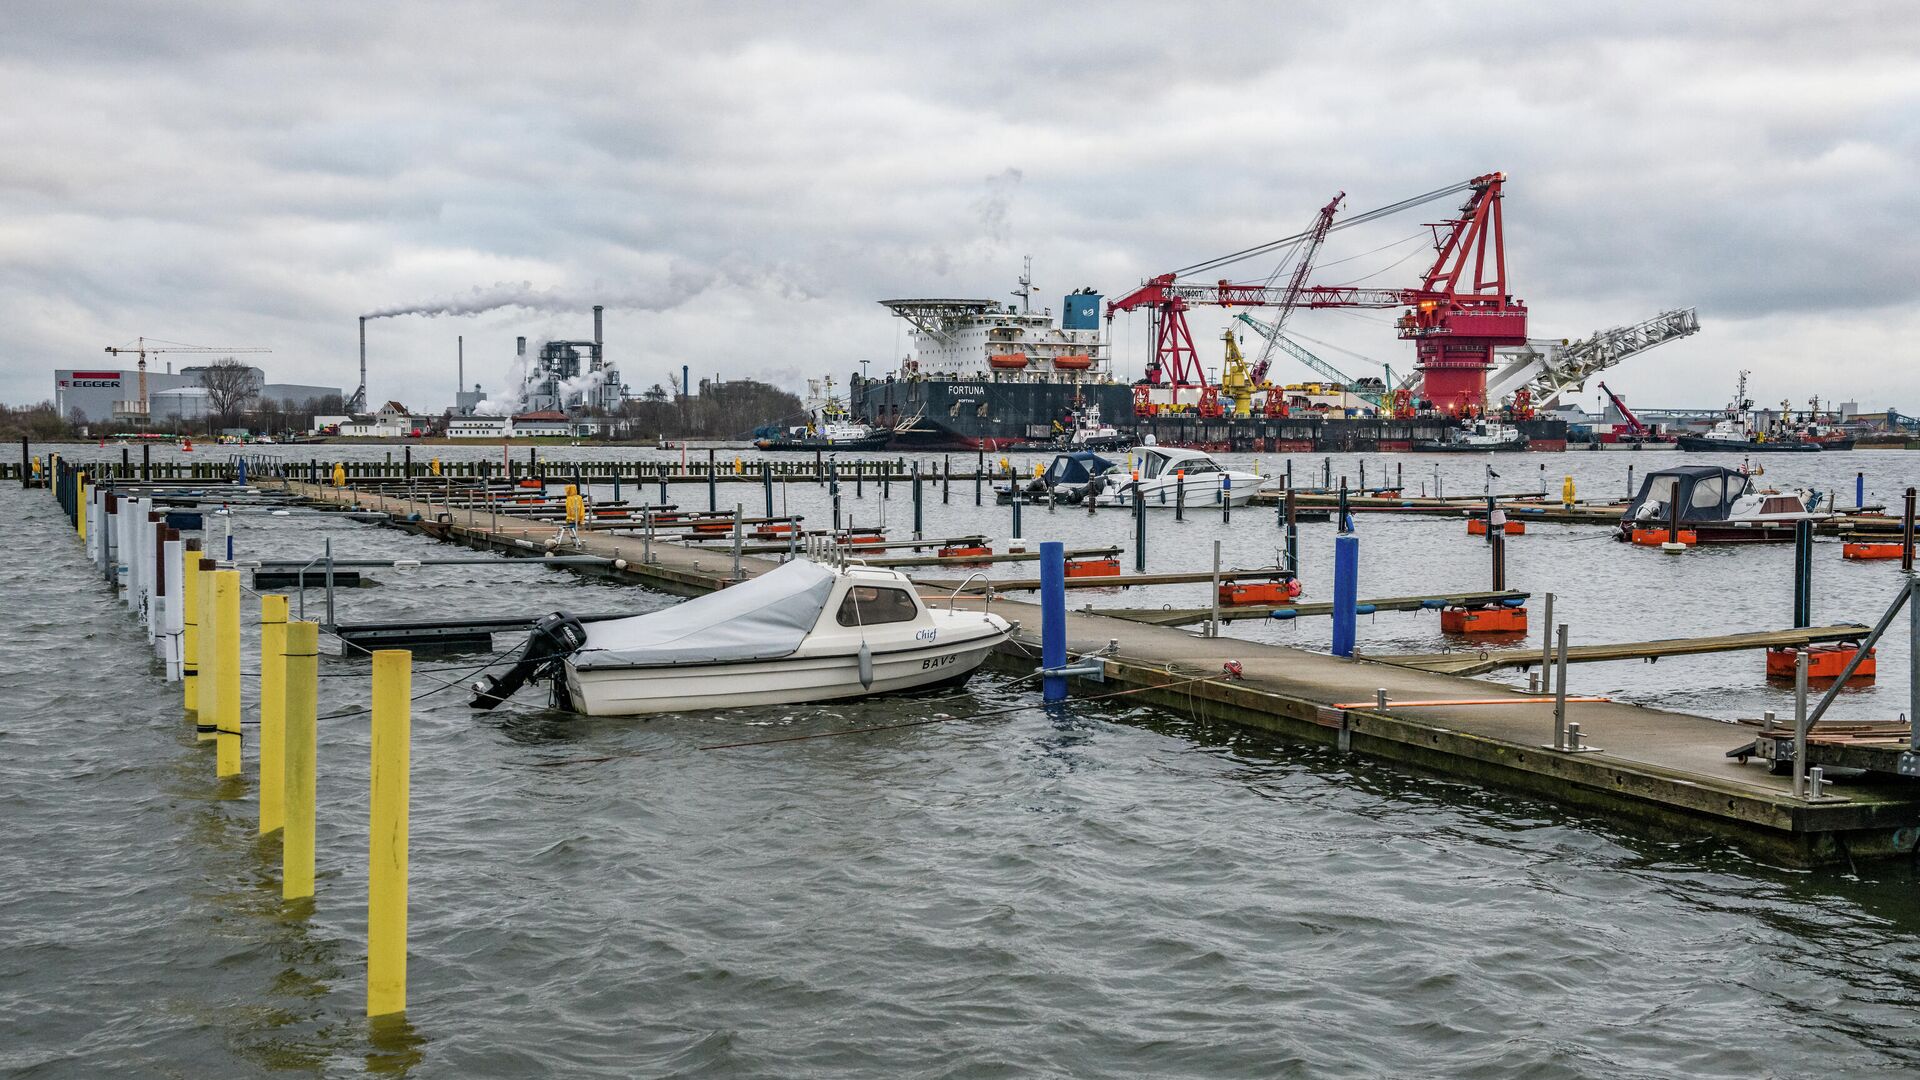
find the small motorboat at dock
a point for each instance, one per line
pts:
(1718, 505)
(805, 631)
(1166, 472)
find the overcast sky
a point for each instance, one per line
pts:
(740, 183)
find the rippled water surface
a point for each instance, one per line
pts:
(1109, 890)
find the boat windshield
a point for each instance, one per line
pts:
(1655, 501)
(872, 605)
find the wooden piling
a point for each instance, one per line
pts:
(387, 847)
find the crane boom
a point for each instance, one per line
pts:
(1270, 332)
(1564, 367)
(1302, 266)
(1633, 422)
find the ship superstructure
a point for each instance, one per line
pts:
(985, 373)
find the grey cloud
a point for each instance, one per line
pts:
(741, 182)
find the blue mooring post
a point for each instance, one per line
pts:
(713, 484)
(1346, 592)
(240, 471)
(1226, 499)
(766, 486)
(1859, 490)
(1053, 618)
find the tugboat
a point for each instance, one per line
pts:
(1481, 437)
(1733, 433)
(1718, 505)
(829, 427)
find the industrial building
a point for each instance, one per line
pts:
(88, 395)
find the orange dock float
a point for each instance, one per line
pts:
(1493, 620)
(1259, 592)
(1093, 568)
(1860, 550)
(964, 550)
(1656, 537)
(1478, 527)
(1823, 662)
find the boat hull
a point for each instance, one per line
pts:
(640, 691)
(1696, 445)
(871, 442)
(1514, 446)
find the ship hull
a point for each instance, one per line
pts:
(966, 414)
(945, 414)
(1698, 445)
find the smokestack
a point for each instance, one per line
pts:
(459, 367)
(686, 388)
(361, 394)
(519, 346)
(598, 356)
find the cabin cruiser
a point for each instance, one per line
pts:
(805, 631)
(1731, 435)
(1162, 473)
(1069, 479)
(1479, 437)
(1719, 505)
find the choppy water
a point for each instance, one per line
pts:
(1109, 890)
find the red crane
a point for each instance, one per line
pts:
(1634, 426)
(1456, 318)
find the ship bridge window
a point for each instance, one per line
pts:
(872, 605)
(1707, 493)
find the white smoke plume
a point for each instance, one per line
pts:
(512, 398)
(682, 283)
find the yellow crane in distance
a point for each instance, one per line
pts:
(141, 348)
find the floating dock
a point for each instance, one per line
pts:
(1664, 770)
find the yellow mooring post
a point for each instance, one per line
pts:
(339, 475)
(301, 699)
(273, 710)
(387, 847)
(206, 660)
(80, 504)
(190, 626)
(434, 466)
(1566, 492)
(226, 687)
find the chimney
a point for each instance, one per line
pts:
(598, 357)
(363, 361)
(459, 367)
(520, 346)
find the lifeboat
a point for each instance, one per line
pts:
(1073, 362)
(1007, 361)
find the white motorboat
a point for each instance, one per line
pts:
(802, 632)
(1163, 472)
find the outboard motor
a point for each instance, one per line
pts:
(554, 638)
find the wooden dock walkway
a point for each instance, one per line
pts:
(1660, 769)
(1480, 662)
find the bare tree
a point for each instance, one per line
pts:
(230, 390)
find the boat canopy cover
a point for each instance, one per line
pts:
(763, 618)
(1077, 468)
(1706, 493)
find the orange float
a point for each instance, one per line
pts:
(1478, 527)
(1823, 662)
(1093, 567)
(1498, 620)
(1656, 537)
(1259, 592)
(958, 551)
(1870, 551)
